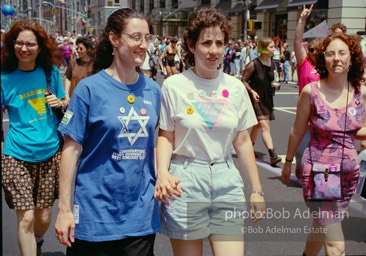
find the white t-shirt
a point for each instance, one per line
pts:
(205, 115)
(277, 54)
(145, 65)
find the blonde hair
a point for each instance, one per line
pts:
(263, 44)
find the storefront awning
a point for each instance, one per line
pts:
(268, 4)
(292, 3)
(236, 10)
(224, 6)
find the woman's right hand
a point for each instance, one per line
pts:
(255, 95)
(286, 172)
(276, 85)
(167, 187)
(305, 13)
(65, 227)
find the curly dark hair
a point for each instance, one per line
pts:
(88, 43)
(356, 69)
(116, 23)
(49, 53)
(200, 19)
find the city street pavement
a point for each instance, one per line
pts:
(279, 234)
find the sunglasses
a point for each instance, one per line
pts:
(311, 50)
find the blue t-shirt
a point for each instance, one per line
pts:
(32, 135)
(115, 124)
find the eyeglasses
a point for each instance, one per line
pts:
(332, 54)
(138, 37)
(28, 45)
(311, 50)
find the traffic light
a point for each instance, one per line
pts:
(254, 25)
(250, 25)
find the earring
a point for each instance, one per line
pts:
(114, 47)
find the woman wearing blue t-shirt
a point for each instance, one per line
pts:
(31, 89)
(110, 125)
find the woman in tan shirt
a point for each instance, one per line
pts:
(81, 67)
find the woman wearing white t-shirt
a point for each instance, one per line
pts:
(204, 113)
(277, 59)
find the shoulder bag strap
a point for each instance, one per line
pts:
(148, 52)
(344, 130)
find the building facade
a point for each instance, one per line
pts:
(260, 17)
(169, 17)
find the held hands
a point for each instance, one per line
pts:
(65, 228)
(52, 100)
(258, 207)
(286, 172)
(167, 187)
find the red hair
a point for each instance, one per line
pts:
(49, 53)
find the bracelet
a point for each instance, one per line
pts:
(261, 193)
(289, 161)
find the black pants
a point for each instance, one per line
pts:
(226, 68)
(132, 246)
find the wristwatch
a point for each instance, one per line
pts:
(258, 192)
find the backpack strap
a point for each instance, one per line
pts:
(2, 129)
(48, 80)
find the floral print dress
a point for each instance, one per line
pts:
(329, 134)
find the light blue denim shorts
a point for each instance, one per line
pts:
(212, 201)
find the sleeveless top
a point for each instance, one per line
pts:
(170, 52)
(306, 73)
(329, 132)
(261, 82)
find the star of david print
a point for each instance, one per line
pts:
(133, 116)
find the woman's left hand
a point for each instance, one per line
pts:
(258, 207)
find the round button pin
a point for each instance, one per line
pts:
(190, 110)
(131, 99)
(202, 93)
(143, 111)
(225, 93)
